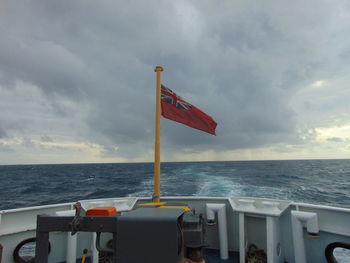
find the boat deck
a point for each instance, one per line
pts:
(213, 256)
(261, 226)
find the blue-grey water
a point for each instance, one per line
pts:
(312, 181)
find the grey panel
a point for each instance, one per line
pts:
(149, 235)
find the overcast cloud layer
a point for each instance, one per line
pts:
(77, 81)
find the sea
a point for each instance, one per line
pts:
(325, 182)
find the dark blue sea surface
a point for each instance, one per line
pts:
(313, 181)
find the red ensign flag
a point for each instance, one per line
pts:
(176, 109)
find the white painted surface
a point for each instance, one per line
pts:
(93, 248)
(242, 249)
(220, 209)
(71, 248)
(299, 219)
(272, 239)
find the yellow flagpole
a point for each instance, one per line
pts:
(156, 191)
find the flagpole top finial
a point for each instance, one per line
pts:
(158, 68)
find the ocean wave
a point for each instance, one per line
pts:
(320, 182)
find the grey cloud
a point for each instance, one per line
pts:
(3, 134)
(10, 124)
(46, 138)
(42, 63)
(241, 62)
(335, 139)
(5, 148)
(28, 143)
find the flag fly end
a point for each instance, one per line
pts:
(176, 109)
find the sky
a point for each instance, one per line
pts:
(77, 81)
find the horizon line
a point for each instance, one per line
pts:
(257, 160)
